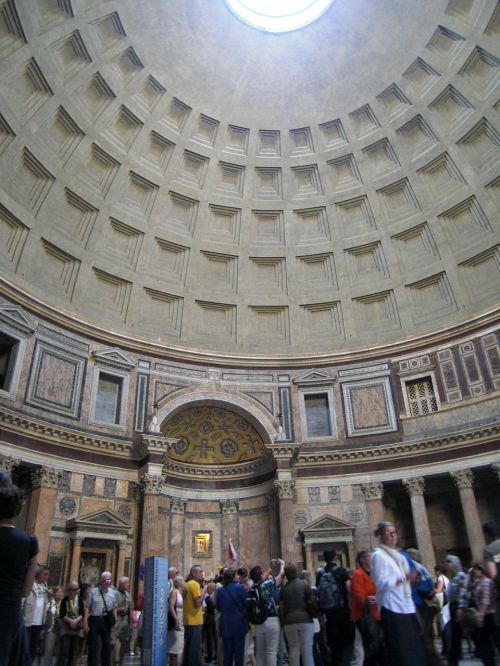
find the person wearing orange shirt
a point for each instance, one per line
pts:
(364, 611)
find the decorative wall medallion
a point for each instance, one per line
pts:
(334, 493)
(67, 506)
(301, 517)
(314, 495)
(353, 514)
(181, 446)
(228, 448)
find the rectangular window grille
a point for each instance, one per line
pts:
(108, 399)
(421, 396)
(318, 415)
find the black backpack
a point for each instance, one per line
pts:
(330, 592)
(256, 606)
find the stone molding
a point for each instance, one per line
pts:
(151, 484)
(75, 439)
(414, 486)
(464, 478)
(178, 505)
(256, 467)
(399, 449)
(229, 506)
(285, 489)
(372, 491)
(45, 477)
(357, 355)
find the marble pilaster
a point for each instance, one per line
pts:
(76, 556)
(120, 563)
(464, 479)
(153, 533)
(41, 508)
(230, 508)
(285, 490)
(274, 526)
(177, 528)
(373, 493)
(415, 489)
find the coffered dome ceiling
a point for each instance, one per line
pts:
(173, 177)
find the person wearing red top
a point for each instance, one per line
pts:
(364, 611)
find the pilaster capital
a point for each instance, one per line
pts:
(7, 463)
(229, 506)
(285, 489)
(77, 541)
(464, 478)
(496, 468)
(372, 491)
(178, 505)
(414, 485)
(151, 484)
(45, 477)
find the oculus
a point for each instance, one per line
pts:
(278, 15)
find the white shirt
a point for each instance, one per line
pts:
(385, 574)
(39, 605)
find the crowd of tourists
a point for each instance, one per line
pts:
(383, 613)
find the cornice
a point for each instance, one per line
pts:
(400, 450)
(255, 468)
(27, 426)
(122, 340)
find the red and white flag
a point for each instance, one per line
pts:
(232, 554)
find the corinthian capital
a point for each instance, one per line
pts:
(372, 491)
(496, 468)
(45, 477)
(464, 478)
(151, 484)
(7, 463)
(414, 485)
(229, 506)
(178, 505)
(285, 489)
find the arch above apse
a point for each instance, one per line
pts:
(236, 402)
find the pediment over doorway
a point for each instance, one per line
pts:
(103, 523)
(327, 528)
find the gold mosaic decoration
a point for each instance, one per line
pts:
(211, 435)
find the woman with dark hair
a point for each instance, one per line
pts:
(364, 611)
(391, 574)
(296, 619)
(233, 624)
(18, 553)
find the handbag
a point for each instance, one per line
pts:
(109, 616)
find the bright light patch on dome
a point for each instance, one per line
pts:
(278, 15)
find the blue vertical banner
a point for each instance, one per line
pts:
(155, 613)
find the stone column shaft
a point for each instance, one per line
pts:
(373, 493)
(230, 530)
(285, 490)
(41, 508)
(464, 480)
(415, 488)
(274, 527)
(177, 550)
(151, 534)
(76, 556)
(120, 563)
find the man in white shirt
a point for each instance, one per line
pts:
(35, 609)
(100, 601)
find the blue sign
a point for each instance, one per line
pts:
(155, 613)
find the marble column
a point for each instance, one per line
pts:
(41, 508)
(274, 527)
(177, 538)
(120, 563)
(415, 488)
(152, 541)
(230, 528)
(76, 556)
(373, 493)
(463, 480)
(285, 490)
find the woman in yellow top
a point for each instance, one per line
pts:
(193, 616)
